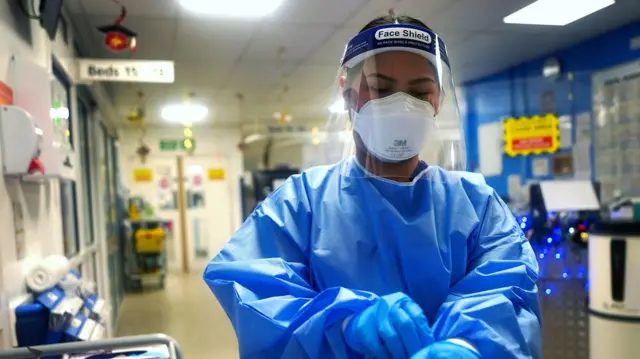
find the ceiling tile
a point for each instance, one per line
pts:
(297, 41)
(210, 40)
(310, 80)
(474, 15)
(424, 10)
(329, 12)
(371, 10)
(144, 8)
(332, 50)
(254, 79)
(202, 74)
(216, 58)
(622, 12)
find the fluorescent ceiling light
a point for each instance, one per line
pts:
(184, 113)
(338, 107)
(232, 8)
(556, 12)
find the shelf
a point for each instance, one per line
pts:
(32, 178)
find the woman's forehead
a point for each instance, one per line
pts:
(406, 64)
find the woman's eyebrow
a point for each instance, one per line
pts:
(382, 77)
(421, 81)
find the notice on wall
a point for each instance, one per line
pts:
(194, 181)
(142, 175)
(151, 71)
(514, 187)
(534, 135)
(583, 127)
(216, 174)
(540, 167)
(566, 131)
(582, 160)
(167, 188)
(490, 148)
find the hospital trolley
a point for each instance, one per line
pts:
(99, 348)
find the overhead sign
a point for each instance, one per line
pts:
(126, 70)
(167, 145)
(535, 135)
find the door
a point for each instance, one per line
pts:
(162, 195)
(208, 206)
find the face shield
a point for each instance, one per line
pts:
(395, 108)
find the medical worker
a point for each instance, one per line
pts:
(390, 252)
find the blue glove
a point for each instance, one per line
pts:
(393, 327)
(446, 350)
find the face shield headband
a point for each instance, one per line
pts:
(398, 37)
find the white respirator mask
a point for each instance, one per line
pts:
(394, 128)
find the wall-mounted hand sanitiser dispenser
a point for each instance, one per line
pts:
(21, 141)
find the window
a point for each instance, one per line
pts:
(94, 263)
(85, 163)
(69, 218)
(62, 132)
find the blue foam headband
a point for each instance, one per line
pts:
(394, 36)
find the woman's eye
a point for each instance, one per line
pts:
(380, 89)
(420, 94)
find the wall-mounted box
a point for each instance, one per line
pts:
(20, 139)
(32, 86)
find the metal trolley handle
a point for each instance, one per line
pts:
(36, 352)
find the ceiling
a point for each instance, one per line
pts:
(287, 61)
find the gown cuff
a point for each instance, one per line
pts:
(463, 343)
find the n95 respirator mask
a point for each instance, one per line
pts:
(394, 128)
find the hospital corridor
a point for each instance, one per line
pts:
(184, 310)
(319, 179)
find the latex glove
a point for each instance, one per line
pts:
(446, 350)
(393, 327)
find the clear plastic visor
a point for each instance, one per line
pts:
(398, 115)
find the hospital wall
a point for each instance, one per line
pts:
(214, 148)
(517, 92)
(25, 40)
(40, 201)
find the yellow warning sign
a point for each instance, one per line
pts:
(216, 174)
(142, 175)
(534, 135)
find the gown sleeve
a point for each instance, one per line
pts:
(262, 280)
(495, 306)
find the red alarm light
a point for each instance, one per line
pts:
(118, 38)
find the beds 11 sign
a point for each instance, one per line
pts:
(126, 70)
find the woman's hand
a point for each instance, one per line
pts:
(394, 327)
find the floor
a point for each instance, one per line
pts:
(185, 310)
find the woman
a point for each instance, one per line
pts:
(382, 255)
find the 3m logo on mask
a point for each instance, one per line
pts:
(400, 143)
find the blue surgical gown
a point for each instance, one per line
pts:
(331, 240)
